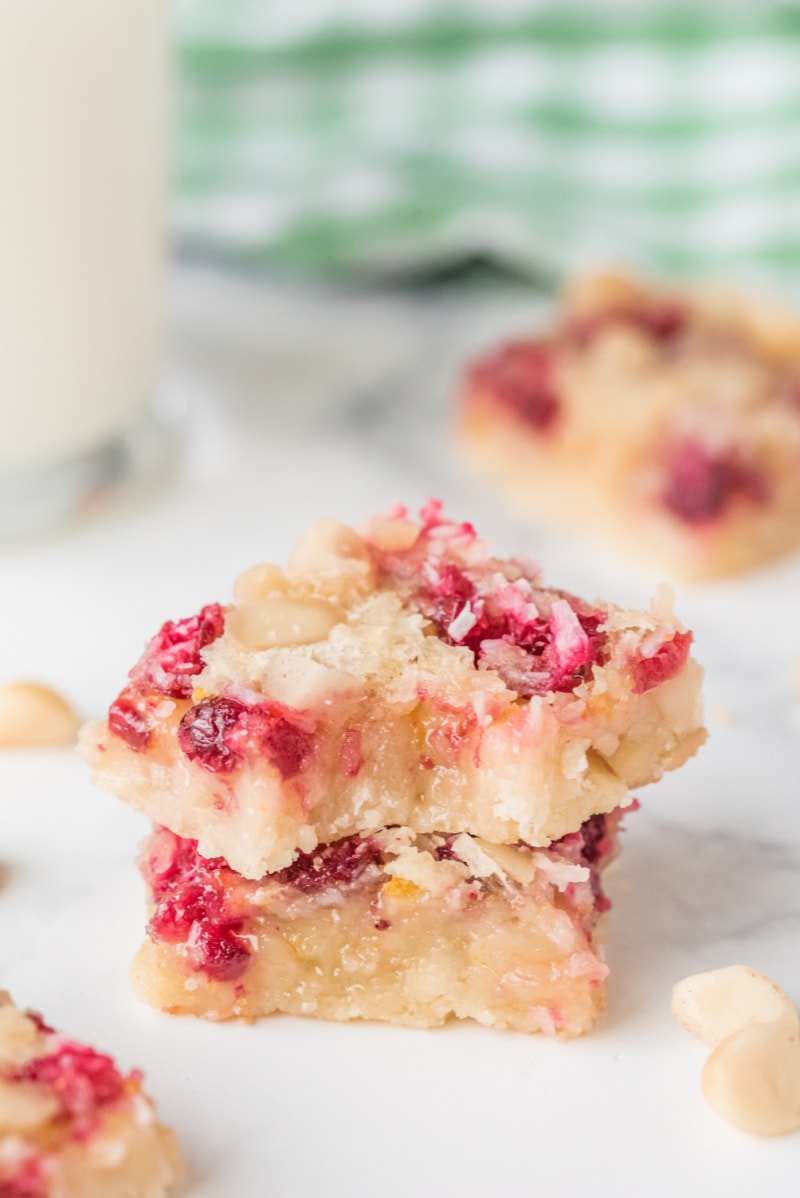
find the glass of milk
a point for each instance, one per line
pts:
(83, 122)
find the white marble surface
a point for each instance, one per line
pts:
(303, 406)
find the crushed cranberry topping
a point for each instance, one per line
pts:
(169, 663)
(533, 654)
(83, 1081)
(668, 660)
(219, 733)
(341, 863)
(520, 376)
(128, 718)
(701, 482)
(192, 905)
(593, 846)
(173, 656)
(538, 641)
(662, 321)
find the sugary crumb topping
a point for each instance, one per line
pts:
(539, 641)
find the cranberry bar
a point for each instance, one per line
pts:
(670, 422)
(71, 1125)
(413, 929)
(402, 677)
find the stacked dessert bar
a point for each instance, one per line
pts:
(386, 781)
(668, 421)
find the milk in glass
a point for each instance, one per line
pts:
(82, 153)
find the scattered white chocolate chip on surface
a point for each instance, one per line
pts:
(33, 716)
(752, 1079)
(714, 1005)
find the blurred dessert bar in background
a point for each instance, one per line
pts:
(668, 421)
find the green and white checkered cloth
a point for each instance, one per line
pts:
(367, 136)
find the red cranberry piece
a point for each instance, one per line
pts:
(287, 746)
(663, 321)
(701, 482)
(28, 1181)
(84, 1081)
(665, 663)
(192, 906)
(164, 857)
(528, 653)
(219, 733)
(218, 952)
(173, 656)
(339, 864)
(521, 376)
(351, 758)
(128, 719)
(591, 846)
(446, 596)
(204, 729)
(593, 832)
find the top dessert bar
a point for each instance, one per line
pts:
(669, 422)
(399, 677)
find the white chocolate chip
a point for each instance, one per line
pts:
(24, 1107)
(713, 1005)
(18, 1033)
(279, 620)
(327, 545)
(298, 681)
(260, 581)
(392, 536)
(33, 716)
(752, 1079)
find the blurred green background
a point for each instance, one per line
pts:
(396, 137)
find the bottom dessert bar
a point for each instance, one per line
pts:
(393, 926)
(71, 1125)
